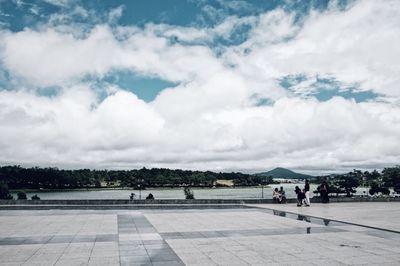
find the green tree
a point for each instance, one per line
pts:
(21, 195)
(348, 183)
(4, 193)
(372, 177)
(378, 188)
(391, 178)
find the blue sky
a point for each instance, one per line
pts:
(18, 15)
(219, 85)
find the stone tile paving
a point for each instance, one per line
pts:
(376, 214)
(275, 241)
(140, 244)
(198, 237)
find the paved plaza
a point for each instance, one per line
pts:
(362, 234)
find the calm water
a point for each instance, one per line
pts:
(206, 193)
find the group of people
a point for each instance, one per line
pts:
(303, 195)
(278, 196)
(149, 197)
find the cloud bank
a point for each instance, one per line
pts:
(228, 110)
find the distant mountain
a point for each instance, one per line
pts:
(284, 173)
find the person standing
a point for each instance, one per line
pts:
(300, 196)
(307, 193)
(323, 190)
(283, 196)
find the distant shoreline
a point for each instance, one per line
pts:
(125, 188)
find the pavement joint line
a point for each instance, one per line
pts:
(91, 251)
(250, 232)
(62, 253)
(333, 220)
(32, 254)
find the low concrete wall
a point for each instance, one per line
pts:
(183, 201)
(118, 202)
(356, 199)
(121, 207)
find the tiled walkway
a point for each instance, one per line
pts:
(140, 244)
(257, 236)
(375, 214)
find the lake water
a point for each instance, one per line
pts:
(176, 193)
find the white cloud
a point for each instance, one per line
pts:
(74, 130)
(51, 58)
(210, 119)
(236, 5)
(115, 14)
(66, 18)
(356, 46)
(60, 3)
(69, 127)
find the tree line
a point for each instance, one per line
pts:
(378, 182)
(17, 177)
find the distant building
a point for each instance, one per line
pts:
(287, 180)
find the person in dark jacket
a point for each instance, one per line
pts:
(324, 191)
(300, 196)
(283, 196)
(150, 197)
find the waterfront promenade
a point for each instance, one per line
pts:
(362, 233)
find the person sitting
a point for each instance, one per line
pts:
(283, 197)
(132, 196)
(150, 197)
(276, 196)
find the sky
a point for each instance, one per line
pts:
(216, 85)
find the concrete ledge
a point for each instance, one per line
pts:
(125, 202)
(122, 207)
(356, 199)
(160, 204)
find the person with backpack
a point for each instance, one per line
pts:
(300, 196)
